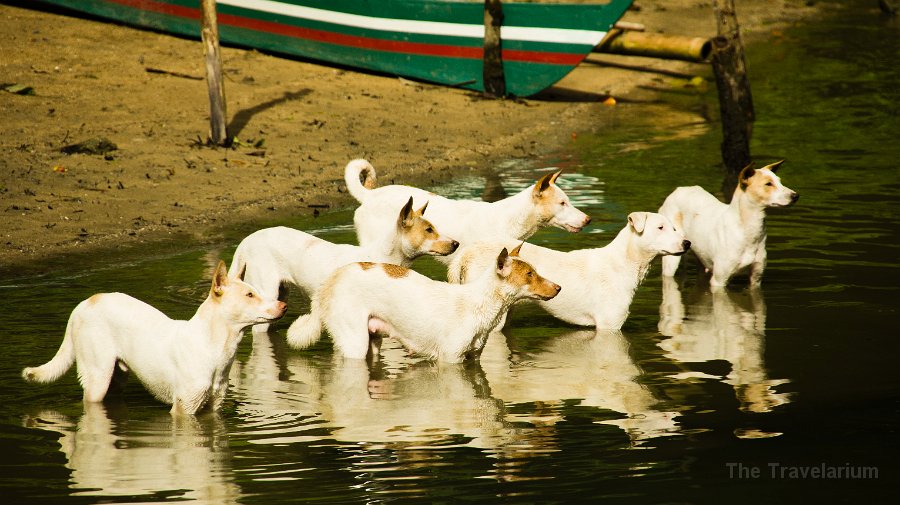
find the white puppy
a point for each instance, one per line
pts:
(184, 363)
(598, 284)
(728, 238)
(518, 216)
(280, 256)
(363, 302)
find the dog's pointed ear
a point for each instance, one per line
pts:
(515, 251)
(745, 175)
(555, 176)
(544, 182)
(421, 212)
(405, 214)
(503, 263)
(638, 220)
(774, 166)
(219, 281)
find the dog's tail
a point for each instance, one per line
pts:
(60, 364)
(307, 329)
(359, 175)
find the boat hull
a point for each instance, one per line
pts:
(432, 40)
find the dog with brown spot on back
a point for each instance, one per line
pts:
(280, 257)
(728, 239)
(361, 304)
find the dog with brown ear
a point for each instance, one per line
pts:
(598, 284)
(182, 363)
(516, 217)
(281, 258)
(364, 302)
(728, 239)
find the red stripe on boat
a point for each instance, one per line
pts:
(340, 39)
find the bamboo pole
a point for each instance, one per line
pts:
(210, 36)
(655, 45)
(493, 76)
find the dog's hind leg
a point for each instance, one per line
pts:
(96, 379)
(350, 333)
(119, 379)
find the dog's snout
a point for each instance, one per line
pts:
(685, 244)
(587, 220)
(281, 307)
(454, 245)
(795, 196)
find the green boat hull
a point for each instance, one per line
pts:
(438, 41)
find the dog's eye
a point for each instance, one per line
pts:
(563, 203)
(769, 184)
(661, 227)
(250, 294)
(429, 230)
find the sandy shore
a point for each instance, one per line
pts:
(298, 123)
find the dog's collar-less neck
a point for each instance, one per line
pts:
(750, 215)
(493, 298)
(207, 319)
(512, 210)
(635, 259)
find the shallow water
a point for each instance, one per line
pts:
(700, 398)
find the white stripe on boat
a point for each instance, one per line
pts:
(531, 34)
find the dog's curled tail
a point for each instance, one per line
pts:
(306, 330)
(359, 175)
(56, 367)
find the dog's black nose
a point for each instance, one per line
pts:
(795, 197)
(454, 245)
(686, 244)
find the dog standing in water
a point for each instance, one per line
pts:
(599, 283)
(728, 239)
(275, 258)
(183, 363)
(363, 302)
(517, 217)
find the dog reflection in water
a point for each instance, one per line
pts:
(722, 325)
(111, 453)
(593, 366)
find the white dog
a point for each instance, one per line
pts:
(184, 363)
(518, 216)
(363, 302)
(598, 284)
(728, 238)
(280, 256)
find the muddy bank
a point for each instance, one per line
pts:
(297, 123)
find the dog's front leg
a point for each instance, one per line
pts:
(757, 268)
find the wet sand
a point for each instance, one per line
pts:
(298, 123)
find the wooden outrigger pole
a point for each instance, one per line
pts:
(735, 101)
(218, 134)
